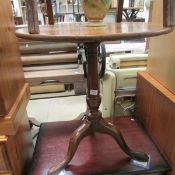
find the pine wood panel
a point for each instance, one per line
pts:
(11, 74)
(155, 107)
(161, 62)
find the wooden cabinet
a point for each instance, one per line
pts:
(15, 139)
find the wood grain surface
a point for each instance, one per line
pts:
(98, 154)
(85, 32)
(155, 107)
(11, 122)
(11, 73)
(17, 149)
(161, 62)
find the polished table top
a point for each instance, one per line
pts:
(90, 32)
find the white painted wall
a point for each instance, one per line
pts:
(17, 8)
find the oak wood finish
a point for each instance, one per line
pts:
(161, 60)
(155, 107)
(32, 16)
(11, 74)
(82, 32)
(97, 154)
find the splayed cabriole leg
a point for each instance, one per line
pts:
(108, 128)
(75, 139)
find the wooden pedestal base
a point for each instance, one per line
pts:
(96, 154)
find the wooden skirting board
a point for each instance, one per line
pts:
(155, 107)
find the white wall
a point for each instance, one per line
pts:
(17, 8)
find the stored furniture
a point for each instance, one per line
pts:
(49, 66)
(16, 146)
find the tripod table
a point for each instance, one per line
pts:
(91, 35)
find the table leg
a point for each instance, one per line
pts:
(81, 132)
(108, 128)
(93, 121)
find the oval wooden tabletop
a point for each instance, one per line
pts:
(87, 32)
